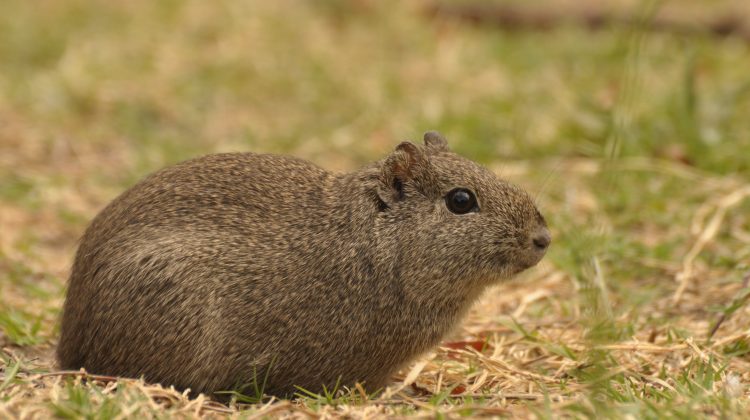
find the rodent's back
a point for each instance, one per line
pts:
(213, 190)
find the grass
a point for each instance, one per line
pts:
(635, 143)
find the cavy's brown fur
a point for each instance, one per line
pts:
(228, 267)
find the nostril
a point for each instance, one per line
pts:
(542, 240)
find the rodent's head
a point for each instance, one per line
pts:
(452, 218)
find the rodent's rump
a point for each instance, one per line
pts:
(223, 269)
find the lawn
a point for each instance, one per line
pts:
(633, 137)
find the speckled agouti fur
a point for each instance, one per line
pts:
(228, 267)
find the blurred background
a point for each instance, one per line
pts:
(628, 120)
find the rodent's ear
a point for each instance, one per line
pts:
(435, 141)
(404, 164)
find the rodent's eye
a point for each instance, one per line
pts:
(461, 201)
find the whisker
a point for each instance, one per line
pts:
(546, 182)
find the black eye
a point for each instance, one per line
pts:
(461, 201)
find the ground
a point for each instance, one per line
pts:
(634, 139)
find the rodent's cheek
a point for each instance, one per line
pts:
(504, 248)
(502, 257)
(501, 267)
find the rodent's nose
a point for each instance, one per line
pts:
(536, 247)
(542, 239)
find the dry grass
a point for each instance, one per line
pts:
(636, 146)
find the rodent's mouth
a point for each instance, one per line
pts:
(526, 261)
(531, 262)
(509, 270)
(509, 264)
